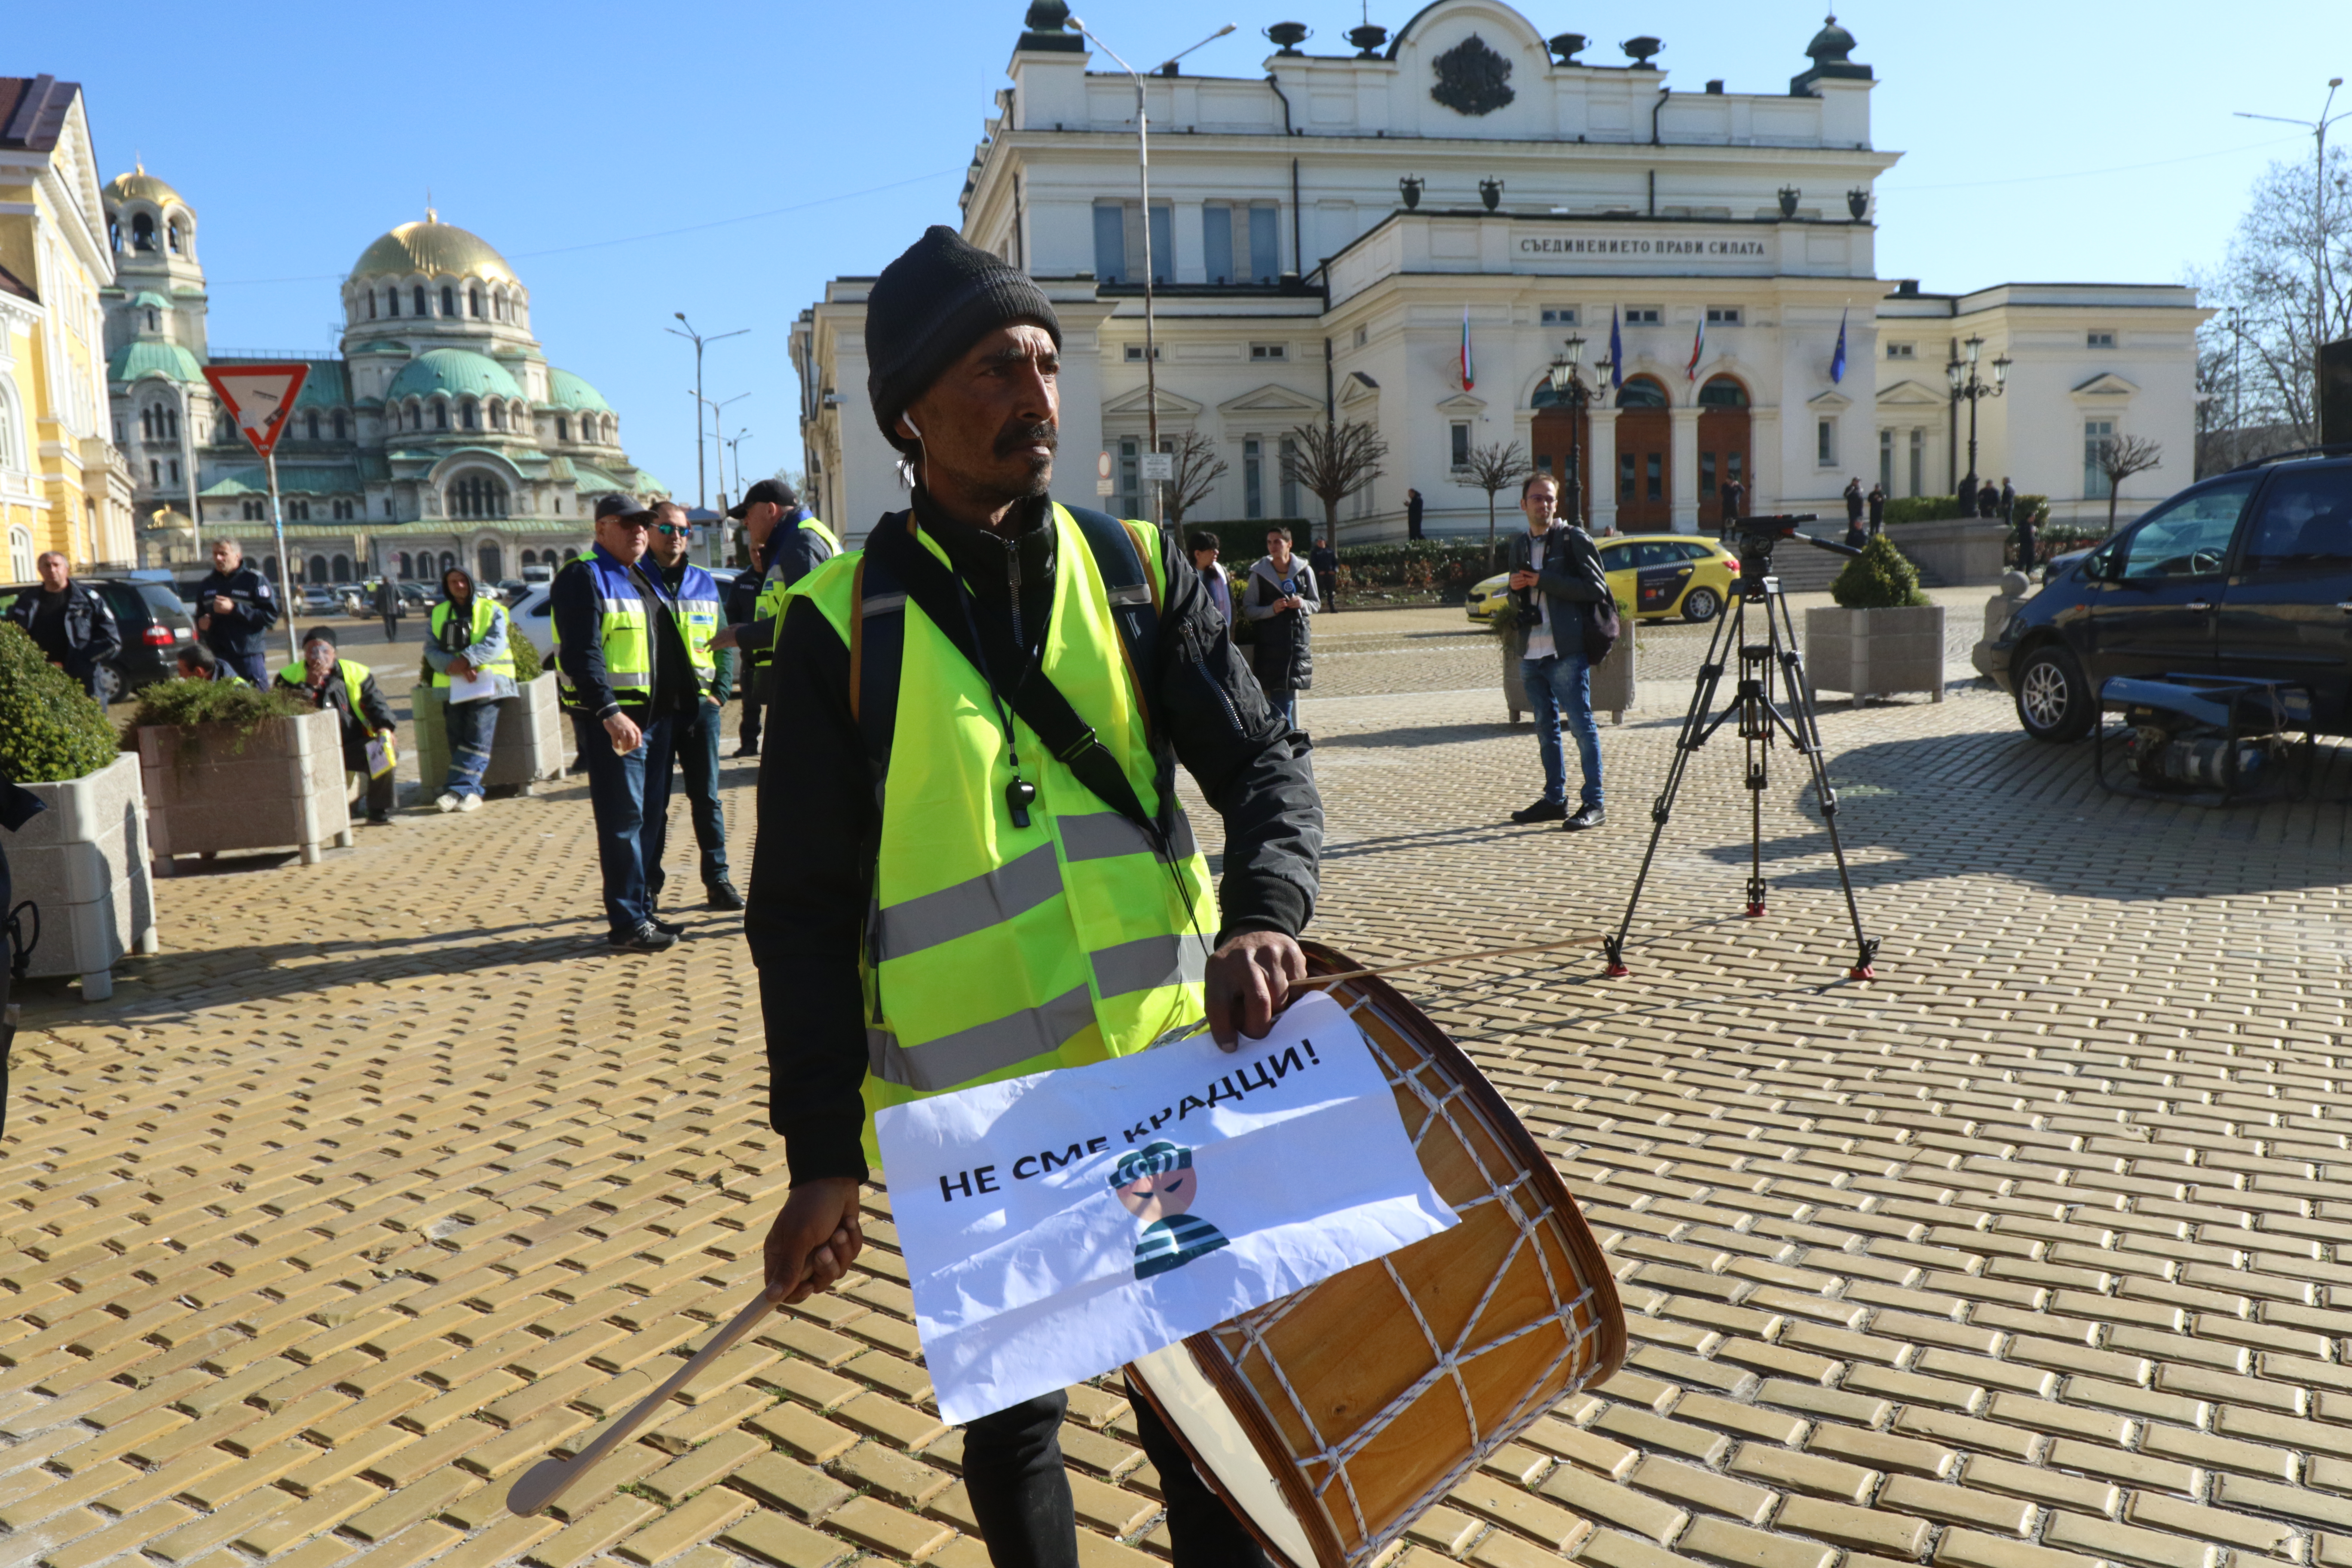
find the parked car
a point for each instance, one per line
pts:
(155, 622)
(1655, 576)
(2248, 574)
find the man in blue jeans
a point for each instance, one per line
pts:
(1555, 574)
(696, 737)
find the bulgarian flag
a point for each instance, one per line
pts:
(1699, 349)
(1469, 372)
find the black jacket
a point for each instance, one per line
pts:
(793, 552)
(253, 610)
(1572, 576)
(810, 875)
(579, 616)
(375, 713)
(1283, 652)
(91, 635)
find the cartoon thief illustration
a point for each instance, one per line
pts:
(1156, 1183)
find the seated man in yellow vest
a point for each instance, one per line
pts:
(1021, 892)
(324, 679)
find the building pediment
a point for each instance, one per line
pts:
(1911, 394)
(1830, 402)
(2103, 385)
(1358, 388)
(1136, 404)
(1271, 398)
(1461, 403)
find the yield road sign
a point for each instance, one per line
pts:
(258, 397)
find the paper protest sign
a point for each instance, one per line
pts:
(1058, 1225)
(383, 755)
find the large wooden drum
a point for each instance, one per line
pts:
(1331, 1419)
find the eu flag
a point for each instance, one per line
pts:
(1837, 360)
(1616, 350)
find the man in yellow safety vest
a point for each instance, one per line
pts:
(1021, 892)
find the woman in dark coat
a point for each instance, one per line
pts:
(1279, 596)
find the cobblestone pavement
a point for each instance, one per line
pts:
(385, 1178)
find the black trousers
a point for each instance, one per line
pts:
(1020, 1494)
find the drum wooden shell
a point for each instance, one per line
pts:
(1370, 1395)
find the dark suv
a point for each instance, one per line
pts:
(2246, 574)
(154, 622)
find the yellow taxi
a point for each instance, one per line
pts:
(1655, 576)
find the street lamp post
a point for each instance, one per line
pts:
(2318, 128)
(700, 492)
(1566, 382)
(1143, 165)
(1966, 384)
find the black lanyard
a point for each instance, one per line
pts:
(1020, 795)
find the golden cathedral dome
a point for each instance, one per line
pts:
(139, 185)
(435, 248)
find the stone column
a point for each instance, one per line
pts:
(1683, 465)
(1601, 461)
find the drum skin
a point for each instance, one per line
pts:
(1372, 1394)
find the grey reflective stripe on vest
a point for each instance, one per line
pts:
(1133, 594)
(973, 905)
(634, 609)
(1100, 835)
(1149, 963)
(881, 604)
(629, 682)
(983, 1048)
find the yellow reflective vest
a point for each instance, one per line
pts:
(485, 615)
(994, 951)
(773, 588)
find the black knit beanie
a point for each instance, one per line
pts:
(930, 305)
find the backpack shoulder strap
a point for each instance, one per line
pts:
(1134, 591)
(878, 640)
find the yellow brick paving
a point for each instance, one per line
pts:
(384, 1180)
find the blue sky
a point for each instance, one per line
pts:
(774, 146)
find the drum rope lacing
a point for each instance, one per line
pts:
(1336, 1457)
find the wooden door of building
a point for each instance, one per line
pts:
(1558, 441)
(1645, 441)
(1722, 455)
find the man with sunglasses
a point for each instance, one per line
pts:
(695, 741)
(627, 671)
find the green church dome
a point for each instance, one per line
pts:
(458, 372)
(136, 362)
(565, 390)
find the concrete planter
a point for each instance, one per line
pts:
(1999, 611)
(205, 793)
(83, 862)
(1874, 653)
(1612, 678)
(1954, 552)
(532, 741)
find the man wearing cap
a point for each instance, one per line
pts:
(941, 895)
(625, 671)
(787, 544)
(346, 688)
(696, 738)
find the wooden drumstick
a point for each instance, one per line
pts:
(541, 1484)
(1448, 958)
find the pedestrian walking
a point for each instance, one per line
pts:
(1853, 533)
(920, 845)
(1555, 576)
(2007, 500)
(70, 624)
(236, 607)
(347, 689)
(469, 644)
(626, 675)
(388, 606)
(789, 541)
(1326, 561)
(1877, 503)
(1412, 505)
(1279, 596)
(1205, 546)
(690, 588)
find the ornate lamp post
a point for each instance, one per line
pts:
(1568, 384)
(1967, 385)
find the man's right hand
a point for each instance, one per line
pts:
(627, 736)
(816, 1238)
(221, 605)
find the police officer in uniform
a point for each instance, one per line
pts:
(697, 739)
(788, 542)
(885, 920)
(71, 623)
(347, 687)
(625, 671)
(236, 607)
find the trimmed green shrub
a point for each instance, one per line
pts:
(51, 730)
(180, 704)
(1878, 579)
(527, 667)
(1921, 509)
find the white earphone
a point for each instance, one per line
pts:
(911, 425)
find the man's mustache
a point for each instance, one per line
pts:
(1016, 437)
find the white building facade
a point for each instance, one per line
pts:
(1325, 238)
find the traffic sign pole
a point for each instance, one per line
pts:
(278, 524)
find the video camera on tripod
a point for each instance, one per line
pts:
(1754, 537)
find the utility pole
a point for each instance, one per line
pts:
(701, 491)
(2318, 128)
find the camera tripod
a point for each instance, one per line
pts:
(1763, 722)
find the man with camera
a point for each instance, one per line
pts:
(1557, 586)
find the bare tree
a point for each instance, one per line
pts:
(1333, 461)
(1197, 470)
(2275, 293)
(2121, 456)
(1493, 468)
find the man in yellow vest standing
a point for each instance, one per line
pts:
(1020, 891)
(466, 640)
(624, 672)
(696, 737)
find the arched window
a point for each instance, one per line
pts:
(489, 559)
(1723, 392)
(297, 512)
(498, 416)
(421, 308)
(147, 425)
(448, 563)
(477, 496)
(316, 571)
(311, 425)
(400, 565)
(1641, 392)
(562, 428)
(391, 302)
(154, 322)
(338, 426)
(468, 416)
(448, 301)
(342, 569)
(174, 238)
(22, 567)
(440, 416)
(474, 302)
(342, 510)
(143, 232)
(170, 424)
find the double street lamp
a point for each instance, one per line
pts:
(1567, 386)
(701, 495)
(1966, 384)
